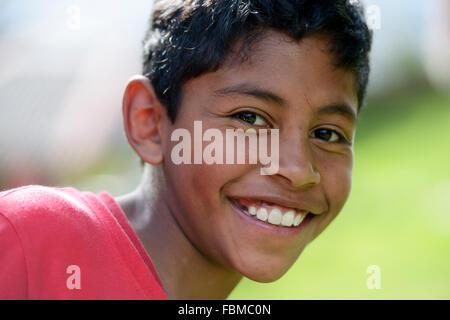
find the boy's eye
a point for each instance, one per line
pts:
(251, 118)
(329, 135)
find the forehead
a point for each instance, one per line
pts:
(302, 72)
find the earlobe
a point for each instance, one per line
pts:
(142, 117)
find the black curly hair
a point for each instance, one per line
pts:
(187, 38)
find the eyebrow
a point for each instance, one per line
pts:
(341, 109)
(245, 89)
(248, 90)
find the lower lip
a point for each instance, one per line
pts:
(271, 228)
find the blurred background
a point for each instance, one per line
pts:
(63, 69)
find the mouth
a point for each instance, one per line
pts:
(271, 213)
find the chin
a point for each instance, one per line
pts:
(265, 276)
(266, 270)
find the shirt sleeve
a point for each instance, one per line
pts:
(13, 273)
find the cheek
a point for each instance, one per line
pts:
(201, 210)
(338, 189)
(194, 190)
(200, 183)
(336, 181)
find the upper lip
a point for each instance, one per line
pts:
(284, 202)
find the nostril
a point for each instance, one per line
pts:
(299, 178)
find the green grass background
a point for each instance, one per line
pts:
(397, 216)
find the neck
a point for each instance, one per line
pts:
(185, 272)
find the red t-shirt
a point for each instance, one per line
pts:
(61, 243)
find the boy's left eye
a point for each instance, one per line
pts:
(329, 135)
(251, 118)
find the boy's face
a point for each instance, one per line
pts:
(290, 86)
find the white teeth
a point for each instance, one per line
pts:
(288, 218)
(275, 217)
(298, 219)
(261, 214)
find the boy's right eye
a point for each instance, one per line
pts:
(251, 118)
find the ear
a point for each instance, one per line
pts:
(142, 116)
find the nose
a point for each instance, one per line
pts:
(296, 164)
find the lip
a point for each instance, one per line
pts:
(271, 229)
(282, 202)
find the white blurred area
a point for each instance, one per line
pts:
(412, 41)
(64, 66)
(437, 44)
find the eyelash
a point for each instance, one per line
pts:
(340, 136)
(237, 114)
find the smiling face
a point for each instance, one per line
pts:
(286, 85)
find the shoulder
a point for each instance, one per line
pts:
(47, 231)
(20, 202)
(39, 227)
(43, 215)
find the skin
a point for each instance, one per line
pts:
(200, 246)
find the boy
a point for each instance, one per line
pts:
(297, 68)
